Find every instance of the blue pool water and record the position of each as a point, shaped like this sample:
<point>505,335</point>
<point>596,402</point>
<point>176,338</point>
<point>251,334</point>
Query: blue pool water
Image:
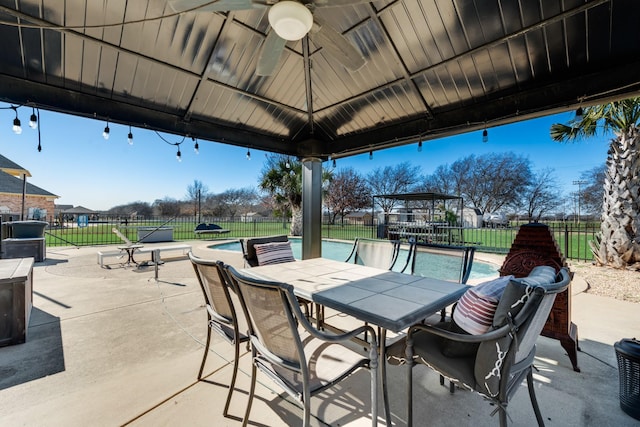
<point>339,251</point>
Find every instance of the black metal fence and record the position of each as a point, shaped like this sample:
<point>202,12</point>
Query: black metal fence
<point>573,239</point>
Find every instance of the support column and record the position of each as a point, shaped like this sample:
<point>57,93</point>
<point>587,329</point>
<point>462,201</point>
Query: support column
<point>311,207</point>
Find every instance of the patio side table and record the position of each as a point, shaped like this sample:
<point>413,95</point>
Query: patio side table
<point>16,299</point>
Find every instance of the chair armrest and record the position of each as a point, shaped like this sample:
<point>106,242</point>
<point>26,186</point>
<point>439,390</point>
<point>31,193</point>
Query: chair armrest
<point>528,310</point>
<point>353,250</point>
<point>330,337</point>
<point>434,330</point>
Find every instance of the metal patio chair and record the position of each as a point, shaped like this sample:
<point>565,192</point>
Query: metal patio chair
<point>222,316</point>
<point>444,262</point>
<point>504,356</point>
<point>301,359</point>
<point>374,253</point>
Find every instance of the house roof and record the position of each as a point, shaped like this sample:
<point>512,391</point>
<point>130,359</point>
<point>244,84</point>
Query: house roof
<point>418,196</point>
<point>358,214</point>
<point>78,210</point>
<point>432,68</point>
<point>12,168</point>
<point>10,184</point>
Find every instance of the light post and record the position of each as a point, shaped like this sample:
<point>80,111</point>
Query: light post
<point>579,183</point>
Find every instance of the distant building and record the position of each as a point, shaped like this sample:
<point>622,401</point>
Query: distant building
<point>471,218</point>
<point>71,213</point>
<point>37,203</point>
<point>250,217</point>
<point>363,218</point>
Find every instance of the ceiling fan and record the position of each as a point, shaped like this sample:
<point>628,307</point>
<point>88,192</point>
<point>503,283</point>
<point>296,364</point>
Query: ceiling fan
<point>290,21</point>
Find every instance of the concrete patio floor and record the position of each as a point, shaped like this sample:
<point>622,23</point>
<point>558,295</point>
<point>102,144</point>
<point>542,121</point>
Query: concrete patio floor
<point>114,346</point>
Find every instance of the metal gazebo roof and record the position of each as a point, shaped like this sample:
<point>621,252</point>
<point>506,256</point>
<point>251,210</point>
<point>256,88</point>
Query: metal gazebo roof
<point>432,68</point>
<point>418,196</point>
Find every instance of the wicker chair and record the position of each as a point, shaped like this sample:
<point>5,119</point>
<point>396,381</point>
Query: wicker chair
<point>301,359</point>
<point>504,356</point>
<point>221,313</point>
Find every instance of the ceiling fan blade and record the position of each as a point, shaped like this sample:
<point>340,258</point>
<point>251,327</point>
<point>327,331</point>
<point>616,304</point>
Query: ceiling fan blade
<point>270,54</point>
<point>215,6</point>
<point>337,45</point>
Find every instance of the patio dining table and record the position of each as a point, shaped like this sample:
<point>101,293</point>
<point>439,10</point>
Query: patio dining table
<point>390,300</point>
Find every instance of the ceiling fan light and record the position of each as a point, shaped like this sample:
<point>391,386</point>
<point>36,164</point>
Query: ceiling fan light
<point>290,20</point>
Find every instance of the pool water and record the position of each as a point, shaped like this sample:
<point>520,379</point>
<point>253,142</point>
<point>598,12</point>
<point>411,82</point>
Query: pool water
<point>340,251</point>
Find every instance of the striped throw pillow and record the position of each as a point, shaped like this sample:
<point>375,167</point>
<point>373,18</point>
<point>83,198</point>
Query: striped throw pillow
<point>475,309</point>
<point>274,253</point>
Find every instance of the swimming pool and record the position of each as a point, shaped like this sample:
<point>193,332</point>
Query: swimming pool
<point>339,251</point>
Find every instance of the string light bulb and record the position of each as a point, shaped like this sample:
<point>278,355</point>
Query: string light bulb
<point>33,120</point>
<point>179,155</point>
<point>17,128</point>
<point>130,136</point>
<point>105,133</point>
<point>370,154</point>
<point>287,165</point>
<point>419,146</point>
<point>579,113</point>
<point>485,136</point>
<point>248,154</point>
<point>334,163</point>
<point>196,147</point>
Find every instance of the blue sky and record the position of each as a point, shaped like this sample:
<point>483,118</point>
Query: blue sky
<point>77,164</point>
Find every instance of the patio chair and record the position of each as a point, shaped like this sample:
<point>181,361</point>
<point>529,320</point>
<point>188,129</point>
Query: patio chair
<point>444,262</point>
<point>221,313</point>
<point>374,253</point>
<point>301,359</point>
<point>249,250</point>
<point>502,357</point>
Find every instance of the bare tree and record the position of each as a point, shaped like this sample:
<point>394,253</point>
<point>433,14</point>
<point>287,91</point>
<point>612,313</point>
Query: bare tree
<point>541,195</point>
<point>167,206</point>
<point>492,181</point>
<point>400,178</point>
<point>591,195</point>
<point>196,192</point>
<point>236,201</point>
<point>442,181</point>
<point>347,192</point>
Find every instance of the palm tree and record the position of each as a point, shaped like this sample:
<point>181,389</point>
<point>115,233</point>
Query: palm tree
<point>618,244</point>
<point>282,178</point>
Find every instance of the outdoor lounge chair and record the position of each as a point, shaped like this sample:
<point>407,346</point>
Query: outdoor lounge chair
<point>301,359</point>
<point>222,316</point>
<point>501,358</point>
<point>209,229</point>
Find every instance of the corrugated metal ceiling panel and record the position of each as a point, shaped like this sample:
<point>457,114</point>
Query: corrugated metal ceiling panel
<point>430,64</point>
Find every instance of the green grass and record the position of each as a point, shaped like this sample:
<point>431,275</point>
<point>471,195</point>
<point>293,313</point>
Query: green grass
<point>485,239</point>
